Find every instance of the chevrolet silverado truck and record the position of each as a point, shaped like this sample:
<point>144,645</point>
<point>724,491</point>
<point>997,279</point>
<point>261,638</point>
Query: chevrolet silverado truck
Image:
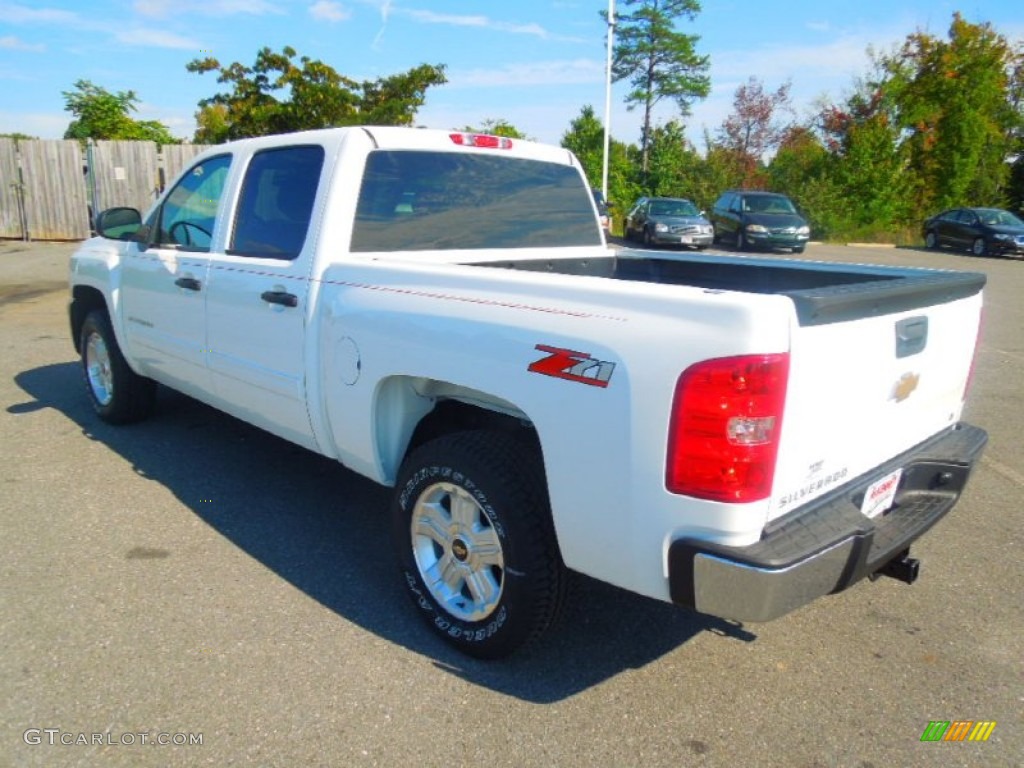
<point>439,312</point>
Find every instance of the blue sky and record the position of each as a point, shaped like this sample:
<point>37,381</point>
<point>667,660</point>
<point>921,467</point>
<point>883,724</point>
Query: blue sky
<point>534,63</point>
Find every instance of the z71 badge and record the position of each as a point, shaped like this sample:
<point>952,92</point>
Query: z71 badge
<point>574,366</point>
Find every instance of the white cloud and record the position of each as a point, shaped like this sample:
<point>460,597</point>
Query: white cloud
<point>155,38</point>
<point>15,13</point>
<point>842,56</point>
<point>41,124</point>
<point>571,72</point>
<point>12,43</point>
<point>385,14</point>
<point>325,10</point>
<point>483,22</point>
<point>164,8</point>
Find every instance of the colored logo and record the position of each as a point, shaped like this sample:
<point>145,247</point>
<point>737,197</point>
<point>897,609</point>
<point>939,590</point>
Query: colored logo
<point>905,386</point>
<point>958,730</point>
<point>573,366</point>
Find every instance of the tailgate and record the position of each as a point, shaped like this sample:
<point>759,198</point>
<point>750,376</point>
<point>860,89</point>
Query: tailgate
<point>870,378</point>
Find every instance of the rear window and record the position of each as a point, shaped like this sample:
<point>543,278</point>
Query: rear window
<point>420,201</point>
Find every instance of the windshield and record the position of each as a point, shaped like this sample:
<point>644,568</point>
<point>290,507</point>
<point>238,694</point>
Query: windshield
<point>673,208</point>
<point>768,204</point>
<point>997,218</point>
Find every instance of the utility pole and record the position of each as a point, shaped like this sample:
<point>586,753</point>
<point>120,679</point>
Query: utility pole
<point>608,98</point>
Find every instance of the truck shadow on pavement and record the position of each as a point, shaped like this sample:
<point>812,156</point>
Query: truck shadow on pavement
<point>324,529</point>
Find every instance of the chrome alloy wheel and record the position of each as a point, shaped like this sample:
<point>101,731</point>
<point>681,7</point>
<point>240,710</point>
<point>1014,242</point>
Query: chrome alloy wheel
<point>457,551</point>
<point>97,369</point>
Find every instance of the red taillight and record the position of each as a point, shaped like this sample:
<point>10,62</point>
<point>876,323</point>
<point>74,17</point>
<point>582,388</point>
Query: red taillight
<point>481,140</point>
<point>726,419</point>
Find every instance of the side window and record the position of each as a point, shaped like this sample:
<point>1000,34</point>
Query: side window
<point>186,218</point>
<point>276,202</point>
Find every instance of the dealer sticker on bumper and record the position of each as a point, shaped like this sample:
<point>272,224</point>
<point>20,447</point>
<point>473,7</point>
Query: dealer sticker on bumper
<point>880,495</point>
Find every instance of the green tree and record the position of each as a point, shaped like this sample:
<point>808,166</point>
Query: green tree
<point>211,124</point>
<point>497,127</point>
<point>954,102</point>
<point>802,168</point>
<point>868,165</point>
<point>277,95</point>
<point>673,163</point>
<point>659,62</point>
<point>100,114</point>
<point>585,139</point>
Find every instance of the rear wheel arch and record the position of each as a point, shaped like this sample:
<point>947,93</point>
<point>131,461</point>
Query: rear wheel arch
<point>410,412</point>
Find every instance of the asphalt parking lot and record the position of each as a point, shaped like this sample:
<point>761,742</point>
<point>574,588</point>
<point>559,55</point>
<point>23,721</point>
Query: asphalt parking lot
<point>194,579</point>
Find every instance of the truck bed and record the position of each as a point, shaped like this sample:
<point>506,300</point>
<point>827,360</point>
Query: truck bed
<point>822,292</point>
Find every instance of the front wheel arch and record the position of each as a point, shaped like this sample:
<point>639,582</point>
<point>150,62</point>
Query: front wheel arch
<point>84,299</point>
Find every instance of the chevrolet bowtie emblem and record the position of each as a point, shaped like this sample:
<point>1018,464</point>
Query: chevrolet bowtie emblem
<point>908,383</point>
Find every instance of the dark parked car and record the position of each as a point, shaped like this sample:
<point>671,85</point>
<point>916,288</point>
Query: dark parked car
<point>982,231</point>
<point>752,219</point>
<point>668,221</point>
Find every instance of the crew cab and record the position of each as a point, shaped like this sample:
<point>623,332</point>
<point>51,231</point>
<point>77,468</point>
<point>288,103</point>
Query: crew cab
<point>439,311</point>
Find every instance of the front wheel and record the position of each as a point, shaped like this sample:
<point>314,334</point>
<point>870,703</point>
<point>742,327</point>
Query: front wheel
<point>118,394</point>
<point>648,242</point>
<point>741,242</point>
<point>978,247</point>
<point>476,544</point>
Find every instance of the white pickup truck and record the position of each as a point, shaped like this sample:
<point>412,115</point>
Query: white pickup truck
<point>440,312</point>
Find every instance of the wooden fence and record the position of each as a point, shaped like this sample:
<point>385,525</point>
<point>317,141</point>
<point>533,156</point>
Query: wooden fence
<point>49,187</point>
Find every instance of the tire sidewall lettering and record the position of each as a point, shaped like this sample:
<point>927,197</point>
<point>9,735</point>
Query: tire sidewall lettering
<point>454,628</point>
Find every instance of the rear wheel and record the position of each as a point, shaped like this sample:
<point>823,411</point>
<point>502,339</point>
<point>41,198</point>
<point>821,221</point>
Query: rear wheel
<point>118,394</point>
<point>475,542</point>
<point>978,247</point>
<point>930,241</point>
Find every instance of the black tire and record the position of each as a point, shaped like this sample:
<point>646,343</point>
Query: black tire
<point>648,242</point>
<point>741,242</point>
<point>505,581</point>
<point>931,242</point>
<point>979,247</point>
<point>117,393</point>
<point>798,248</point>
<point>626,234</point>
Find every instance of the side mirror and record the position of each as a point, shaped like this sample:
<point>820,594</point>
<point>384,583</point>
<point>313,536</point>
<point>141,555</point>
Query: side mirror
<point>119,223</point>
